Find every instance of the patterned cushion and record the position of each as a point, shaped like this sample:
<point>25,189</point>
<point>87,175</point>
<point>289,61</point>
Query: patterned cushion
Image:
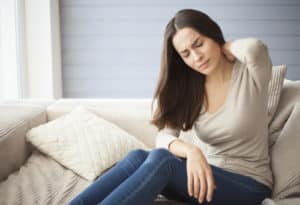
<point>83,142</point>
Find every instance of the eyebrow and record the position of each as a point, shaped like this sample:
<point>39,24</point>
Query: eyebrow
<point>193,44</point>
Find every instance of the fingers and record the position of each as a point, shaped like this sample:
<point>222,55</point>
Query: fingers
<point>210,186</point>
<point>196,186</point>
<point>202,187</point>
<point>227,53</point>
<point>190,184</point>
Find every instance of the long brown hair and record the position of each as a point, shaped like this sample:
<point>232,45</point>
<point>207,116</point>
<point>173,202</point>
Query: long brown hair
<point>180,91</point>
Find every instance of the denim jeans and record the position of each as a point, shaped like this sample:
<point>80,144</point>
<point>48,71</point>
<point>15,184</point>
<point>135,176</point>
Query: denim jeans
<point>142,175</point>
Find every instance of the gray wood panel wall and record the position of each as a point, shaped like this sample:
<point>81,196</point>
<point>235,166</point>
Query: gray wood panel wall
<point>111,48</point>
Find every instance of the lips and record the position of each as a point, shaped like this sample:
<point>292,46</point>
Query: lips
<point>203,64</point>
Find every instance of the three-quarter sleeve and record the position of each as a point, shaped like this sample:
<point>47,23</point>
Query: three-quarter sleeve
<point>254,53</point>
<point>165,137</point>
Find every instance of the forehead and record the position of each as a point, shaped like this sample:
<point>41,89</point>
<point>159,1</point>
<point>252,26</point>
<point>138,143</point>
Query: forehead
<point>184,38</point>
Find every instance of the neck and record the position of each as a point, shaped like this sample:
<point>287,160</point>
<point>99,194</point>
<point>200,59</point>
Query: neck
<point>221,75</point>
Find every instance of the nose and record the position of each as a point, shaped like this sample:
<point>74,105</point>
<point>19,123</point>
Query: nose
<point>196,55</point>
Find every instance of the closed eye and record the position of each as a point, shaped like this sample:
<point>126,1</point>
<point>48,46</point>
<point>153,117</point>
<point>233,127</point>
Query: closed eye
<point>199,44</point>
<point>185,56</point>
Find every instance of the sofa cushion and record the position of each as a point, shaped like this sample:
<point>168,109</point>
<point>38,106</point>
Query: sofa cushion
<point>285,155</point>
<point>40,181</point>
<point>83,142</point>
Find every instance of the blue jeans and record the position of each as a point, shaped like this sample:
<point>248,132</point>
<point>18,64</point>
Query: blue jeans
<point>142,175</point>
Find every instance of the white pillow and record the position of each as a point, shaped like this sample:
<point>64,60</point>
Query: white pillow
<point>274,89</point>
<point>83,142</point>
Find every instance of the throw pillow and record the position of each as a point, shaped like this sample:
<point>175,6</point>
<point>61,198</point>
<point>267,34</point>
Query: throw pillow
<point>83,142</point>
<point>274,89</point>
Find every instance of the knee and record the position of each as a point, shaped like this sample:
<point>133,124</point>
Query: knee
<point>160,154</point>
<point>137,155</point>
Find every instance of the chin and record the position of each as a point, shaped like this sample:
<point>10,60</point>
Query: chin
<point>205,71</point>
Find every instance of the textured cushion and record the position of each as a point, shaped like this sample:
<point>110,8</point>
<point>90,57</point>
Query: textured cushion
<point>285,156</point>
<point>274,89</point>
<point>83,142</point>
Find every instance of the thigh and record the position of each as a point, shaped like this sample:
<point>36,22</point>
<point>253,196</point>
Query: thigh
<point>236,189</point>
<point>112,178</point>
<point>231,189</point>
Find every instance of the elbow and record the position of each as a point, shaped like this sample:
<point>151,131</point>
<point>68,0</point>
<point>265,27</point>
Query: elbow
<point>257,49</point>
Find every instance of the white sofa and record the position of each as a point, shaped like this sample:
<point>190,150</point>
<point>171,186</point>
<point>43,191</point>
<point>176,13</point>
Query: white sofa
<point>28,176</point>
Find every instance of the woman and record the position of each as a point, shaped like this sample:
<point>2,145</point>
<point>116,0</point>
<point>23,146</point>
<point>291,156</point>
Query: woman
<point>218,88</point>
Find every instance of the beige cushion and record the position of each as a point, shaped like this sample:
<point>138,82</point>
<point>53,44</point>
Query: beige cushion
<point>274,89</point>
<point>83,142</point>
<point>285,155</point>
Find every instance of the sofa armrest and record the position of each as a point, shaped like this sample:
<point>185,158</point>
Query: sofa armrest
<point>15,121</point>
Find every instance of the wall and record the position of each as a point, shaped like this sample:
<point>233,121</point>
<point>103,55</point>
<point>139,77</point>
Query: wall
<point>111,49</point>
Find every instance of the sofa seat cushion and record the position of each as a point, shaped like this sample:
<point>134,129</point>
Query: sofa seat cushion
<point>40,181</point>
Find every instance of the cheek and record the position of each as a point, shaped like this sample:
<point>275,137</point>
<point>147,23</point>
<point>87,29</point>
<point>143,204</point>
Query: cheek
<point>188,62</point>
<point>215,53</point>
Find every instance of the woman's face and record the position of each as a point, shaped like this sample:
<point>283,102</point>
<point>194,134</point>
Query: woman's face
<point>198,51</point>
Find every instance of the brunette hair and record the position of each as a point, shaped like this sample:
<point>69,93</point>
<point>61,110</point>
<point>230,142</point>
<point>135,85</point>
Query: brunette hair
<point>180,92</point>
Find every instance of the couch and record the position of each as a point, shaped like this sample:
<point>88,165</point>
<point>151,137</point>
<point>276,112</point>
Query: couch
<point>27,176</point>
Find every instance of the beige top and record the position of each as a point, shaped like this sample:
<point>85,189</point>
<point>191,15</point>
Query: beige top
<point>237,134</point>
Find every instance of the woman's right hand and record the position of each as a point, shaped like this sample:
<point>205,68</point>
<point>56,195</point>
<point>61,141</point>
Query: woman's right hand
<point>226,50</point>
<point>200,176</point>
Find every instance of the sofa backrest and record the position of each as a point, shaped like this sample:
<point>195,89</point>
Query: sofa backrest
<point>132,115</point>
